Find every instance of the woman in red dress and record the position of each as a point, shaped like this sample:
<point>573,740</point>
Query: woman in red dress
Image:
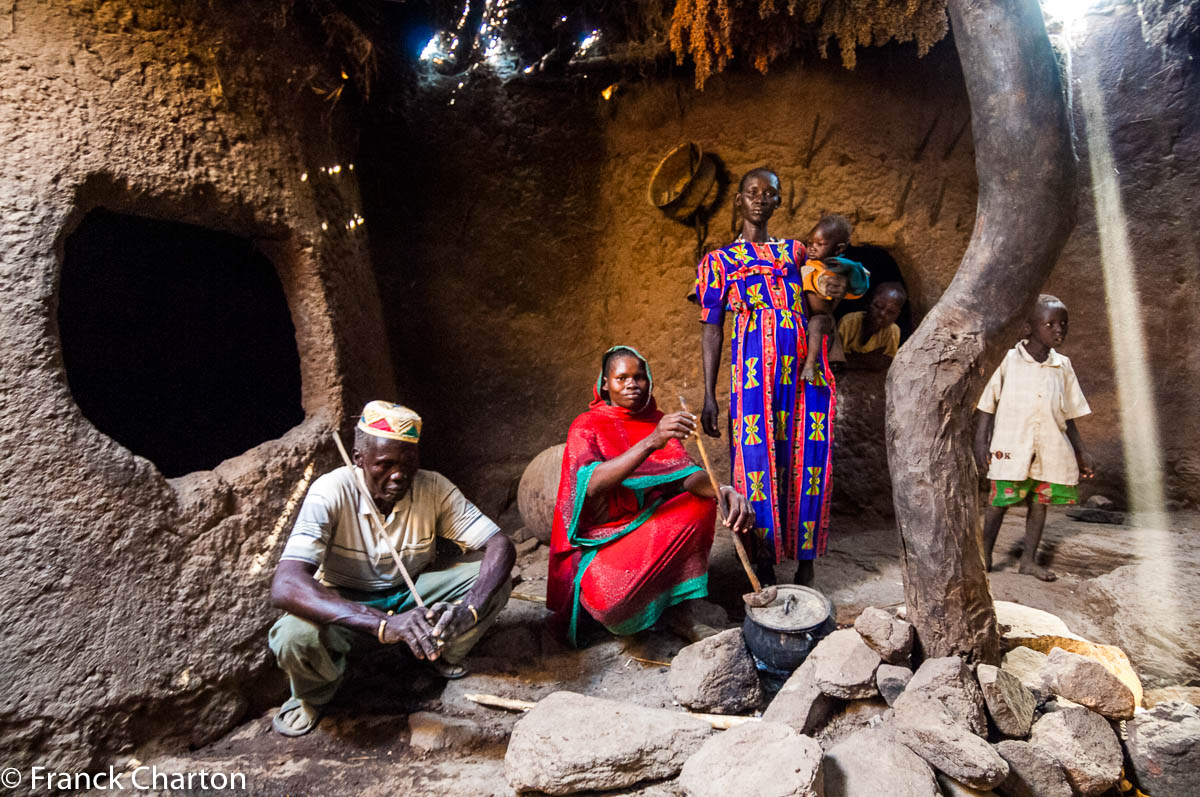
<point>634,519</point>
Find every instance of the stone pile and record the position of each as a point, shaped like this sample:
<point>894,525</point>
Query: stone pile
<point>1164,749</point>
<point>716,675</point>
<point>857,719</point>
<point>570,743</point>
<point>760,758</point>
<point>888,636</point>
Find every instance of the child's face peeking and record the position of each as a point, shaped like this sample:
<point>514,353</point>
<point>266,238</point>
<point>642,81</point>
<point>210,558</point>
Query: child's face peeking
<point>1048,325</point>
<point>822,245</point>
<point>885,308</point>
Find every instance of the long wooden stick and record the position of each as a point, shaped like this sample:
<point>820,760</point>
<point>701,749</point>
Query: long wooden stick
<point>737,543</point>
<point>521,596</point>
<point>380,529</point>
<point>495,701</point>
<point>720,722</point>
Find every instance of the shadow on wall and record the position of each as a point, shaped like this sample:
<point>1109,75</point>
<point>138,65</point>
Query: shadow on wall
<point>484,265</point>
<point>177,340</point>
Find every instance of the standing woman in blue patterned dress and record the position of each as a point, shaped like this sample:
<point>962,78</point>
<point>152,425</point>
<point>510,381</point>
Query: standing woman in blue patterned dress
<point>781,429</point>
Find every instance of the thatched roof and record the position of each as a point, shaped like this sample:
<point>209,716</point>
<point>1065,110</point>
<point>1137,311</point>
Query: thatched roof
<point>545,35</point>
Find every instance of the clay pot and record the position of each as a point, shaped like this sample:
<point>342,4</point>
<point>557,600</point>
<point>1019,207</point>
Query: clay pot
<point>538,490</point>
<point>781,637</point>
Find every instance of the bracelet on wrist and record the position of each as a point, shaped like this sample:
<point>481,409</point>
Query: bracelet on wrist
<point>383,625</point>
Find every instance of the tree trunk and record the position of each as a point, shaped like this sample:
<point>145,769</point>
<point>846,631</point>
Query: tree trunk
<point>1026,168</point>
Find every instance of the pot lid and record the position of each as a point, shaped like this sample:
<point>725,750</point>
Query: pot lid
<point>795,608</point>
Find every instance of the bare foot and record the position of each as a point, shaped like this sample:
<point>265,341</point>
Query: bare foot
<point>1037,571</point>
<point>682,623</point>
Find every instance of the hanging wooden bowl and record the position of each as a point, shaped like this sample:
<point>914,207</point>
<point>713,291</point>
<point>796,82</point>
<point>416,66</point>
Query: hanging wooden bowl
<point>673,175</point>
<point>697,191</point>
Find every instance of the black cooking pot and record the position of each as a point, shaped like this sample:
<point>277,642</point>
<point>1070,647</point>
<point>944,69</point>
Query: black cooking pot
<point>782,634</point>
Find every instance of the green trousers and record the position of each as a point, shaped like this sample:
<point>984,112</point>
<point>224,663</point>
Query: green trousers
<point>315,656</point>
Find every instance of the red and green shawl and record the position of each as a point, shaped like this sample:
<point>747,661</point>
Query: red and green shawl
<point>627,556</point>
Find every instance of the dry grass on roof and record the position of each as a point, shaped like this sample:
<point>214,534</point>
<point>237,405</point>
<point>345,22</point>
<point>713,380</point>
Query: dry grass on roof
<point>714,32</point>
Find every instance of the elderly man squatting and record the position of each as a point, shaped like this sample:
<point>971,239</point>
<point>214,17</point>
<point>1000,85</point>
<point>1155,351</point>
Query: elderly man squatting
<point>343,592</point>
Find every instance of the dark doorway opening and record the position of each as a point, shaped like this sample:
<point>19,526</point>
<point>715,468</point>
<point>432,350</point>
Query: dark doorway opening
<point>177,340</point>
<point>883,268</point>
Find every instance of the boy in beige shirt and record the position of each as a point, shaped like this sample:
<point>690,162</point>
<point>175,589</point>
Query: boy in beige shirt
<point>1025,433</point>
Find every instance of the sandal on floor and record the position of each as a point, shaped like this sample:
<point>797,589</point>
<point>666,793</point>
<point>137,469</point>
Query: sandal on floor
<point>287,730</point>
<point>445,669</point>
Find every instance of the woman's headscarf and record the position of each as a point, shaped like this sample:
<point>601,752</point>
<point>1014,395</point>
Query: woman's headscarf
<point>602,394</point>
<point>602,433</point>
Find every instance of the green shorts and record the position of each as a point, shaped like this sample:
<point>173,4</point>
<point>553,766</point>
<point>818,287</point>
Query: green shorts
<point>1006,493</point>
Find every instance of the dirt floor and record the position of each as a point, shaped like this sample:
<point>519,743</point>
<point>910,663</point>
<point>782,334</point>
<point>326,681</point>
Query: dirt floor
<point>1125,585</point>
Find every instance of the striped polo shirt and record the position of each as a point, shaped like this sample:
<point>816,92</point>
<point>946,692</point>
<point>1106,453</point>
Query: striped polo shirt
<point>333,530</point>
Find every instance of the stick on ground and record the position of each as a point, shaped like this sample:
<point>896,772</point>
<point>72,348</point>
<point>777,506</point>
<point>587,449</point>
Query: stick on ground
<point>720,722</point>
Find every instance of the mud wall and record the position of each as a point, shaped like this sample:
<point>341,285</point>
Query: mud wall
<point>516,245</point>
<point>887,145</point>
<point>486,234</point>
<point>135,608</point>
<point>1142,61</point>
<point>556,254</point>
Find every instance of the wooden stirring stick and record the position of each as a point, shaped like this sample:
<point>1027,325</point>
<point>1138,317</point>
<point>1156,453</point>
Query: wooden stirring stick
<point>737,543</point>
